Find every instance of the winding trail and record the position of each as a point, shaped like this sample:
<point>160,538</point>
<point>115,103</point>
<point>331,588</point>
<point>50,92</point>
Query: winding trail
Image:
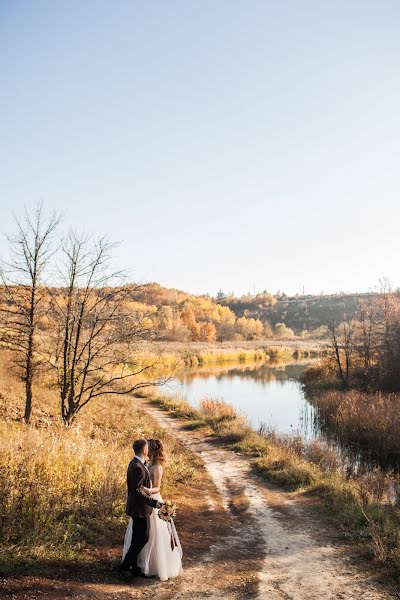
<point>274,548</point>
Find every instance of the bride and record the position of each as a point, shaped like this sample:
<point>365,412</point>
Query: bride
<point>162,555</point>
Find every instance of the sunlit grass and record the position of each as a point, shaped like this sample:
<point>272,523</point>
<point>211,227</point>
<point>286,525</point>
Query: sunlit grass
<point>63,489</point>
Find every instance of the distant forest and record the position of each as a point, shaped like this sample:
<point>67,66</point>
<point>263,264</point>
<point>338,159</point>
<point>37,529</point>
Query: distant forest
<point>300,313</point>
<point>181,316</point>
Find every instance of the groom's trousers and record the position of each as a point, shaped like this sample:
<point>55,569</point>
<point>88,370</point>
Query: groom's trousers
<point>140,536</point>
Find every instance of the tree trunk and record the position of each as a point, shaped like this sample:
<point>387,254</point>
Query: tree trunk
<point>28,400</point>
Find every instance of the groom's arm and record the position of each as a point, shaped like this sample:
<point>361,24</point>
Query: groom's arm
<point>139,481</point>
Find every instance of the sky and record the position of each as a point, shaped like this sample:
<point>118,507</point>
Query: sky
<point>234,145</point>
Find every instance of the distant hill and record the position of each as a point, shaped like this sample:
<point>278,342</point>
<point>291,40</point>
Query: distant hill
<point>183,316</point>
<point>176,315</point>
<point>300,313</point>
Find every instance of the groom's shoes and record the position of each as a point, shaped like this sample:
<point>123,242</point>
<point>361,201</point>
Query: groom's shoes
<point>138,573</point>
<point>132,574</point>
<point>127,575</point>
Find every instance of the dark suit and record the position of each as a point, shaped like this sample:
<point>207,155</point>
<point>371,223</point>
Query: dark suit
<point>139,506</point>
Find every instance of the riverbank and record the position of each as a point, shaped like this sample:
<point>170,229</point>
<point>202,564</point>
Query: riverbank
<point>62,512</point>
<point>367,422</point>
<point>361,504</point>
<point>242,540</point>
<point>281,535</point>
<point>180,355</point>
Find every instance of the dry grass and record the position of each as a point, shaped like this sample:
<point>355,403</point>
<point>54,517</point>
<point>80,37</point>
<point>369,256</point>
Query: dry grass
<point>53,485</point>
<point>369,422</point>
<point>63,490</point>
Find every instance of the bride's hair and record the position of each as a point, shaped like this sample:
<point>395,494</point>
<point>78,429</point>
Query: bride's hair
<point>156,451</point>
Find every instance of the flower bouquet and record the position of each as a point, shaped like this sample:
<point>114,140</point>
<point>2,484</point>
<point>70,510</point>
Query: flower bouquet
<point>168,511</point>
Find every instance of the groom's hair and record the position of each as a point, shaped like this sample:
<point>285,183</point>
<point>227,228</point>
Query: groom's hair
<point>138,445</point>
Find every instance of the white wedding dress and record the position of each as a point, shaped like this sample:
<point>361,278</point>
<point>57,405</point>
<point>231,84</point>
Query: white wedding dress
<point>157,558</point>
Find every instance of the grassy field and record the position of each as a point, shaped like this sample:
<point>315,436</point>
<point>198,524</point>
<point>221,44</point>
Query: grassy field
<point>362,505</point>
<point>63,490</point>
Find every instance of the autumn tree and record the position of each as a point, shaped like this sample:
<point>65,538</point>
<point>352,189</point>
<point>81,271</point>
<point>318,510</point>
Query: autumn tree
<point>95,331</point>
<point>282,330</point>
<point>268,331</point>
<point>188,317</point>
<point>23,297</point>
<point>208,332</point>
<point>365,338</point>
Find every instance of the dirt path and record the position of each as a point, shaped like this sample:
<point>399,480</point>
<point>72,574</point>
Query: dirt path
<point>255,543</point>
<point>282,552</point>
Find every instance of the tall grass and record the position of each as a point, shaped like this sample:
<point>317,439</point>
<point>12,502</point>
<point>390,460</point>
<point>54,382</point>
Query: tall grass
<point>63,490</point>
<point>370,423</point>
<point>54,483</point>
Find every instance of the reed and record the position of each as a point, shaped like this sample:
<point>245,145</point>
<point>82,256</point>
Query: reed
<point>370,423</point>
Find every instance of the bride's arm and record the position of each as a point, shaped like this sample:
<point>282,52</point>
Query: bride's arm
<point>156,476</point>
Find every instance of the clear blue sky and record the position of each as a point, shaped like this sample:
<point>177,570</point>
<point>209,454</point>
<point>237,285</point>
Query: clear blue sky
<point>224,143</point>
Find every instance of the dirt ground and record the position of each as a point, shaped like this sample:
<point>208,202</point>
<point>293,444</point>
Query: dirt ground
<point>252,542</point>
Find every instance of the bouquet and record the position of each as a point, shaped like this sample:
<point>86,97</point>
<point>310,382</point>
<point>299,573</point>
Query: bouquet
<point>168,511</point>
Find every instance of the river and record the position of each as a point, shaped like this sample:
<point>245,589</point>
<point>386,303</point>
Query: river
<point>266,394</point>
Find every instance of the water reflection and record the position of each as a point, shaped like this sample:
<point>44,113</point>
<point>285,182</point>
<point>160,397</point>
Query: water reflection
<point>273,397</point>
<point>264,374</point>
<point>269,394</point>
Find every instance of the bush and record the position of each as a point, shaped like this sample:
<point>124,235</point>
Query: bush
<point>281,330</point>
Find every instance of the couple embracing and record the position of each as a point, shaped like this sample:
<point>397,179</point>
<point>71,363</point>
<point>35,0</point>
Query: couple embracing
<point>151,546</point>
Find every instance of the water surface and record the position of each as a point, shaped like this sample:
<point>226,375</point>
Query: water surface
<point>272,395</point>
<point>266,394</point>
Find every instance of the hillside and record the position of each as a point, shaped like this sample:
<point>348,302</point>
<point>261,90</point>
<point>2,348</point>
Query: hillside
<point>177,316</point>
<point>300,313</point>
<point>181,316</point>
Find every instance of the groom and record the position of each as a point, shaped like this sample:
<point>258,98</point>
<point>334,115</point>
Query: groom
<point>139,506</point>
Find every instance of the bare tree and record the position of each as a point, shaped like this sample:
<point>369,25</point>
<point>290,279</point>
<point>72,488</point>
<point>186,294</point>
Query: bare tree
<point>365,338</point>
<point>95,330</point>
<point>342,346</point>
<point>348,346</point>
<point>387,309</point>
<point>23,293</point>
<point>335,347</point>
